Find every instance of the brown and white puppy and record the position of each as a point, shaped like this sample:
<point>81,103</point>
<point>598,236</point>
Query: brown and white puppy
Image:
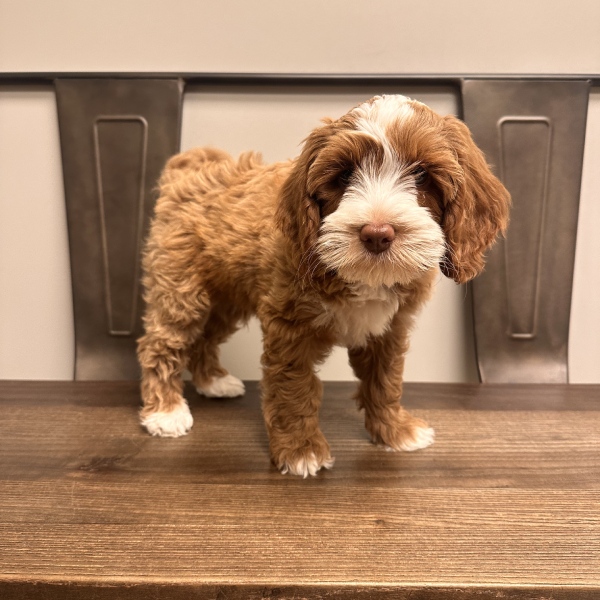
<point>338,247</point>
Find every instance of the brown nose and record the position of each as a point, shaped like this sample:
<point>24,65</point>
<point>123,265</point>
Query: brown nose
<point>377,238</point>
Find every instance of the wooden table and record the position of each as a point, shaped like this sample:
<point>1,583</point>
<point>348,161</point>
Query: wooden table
<point>505,504</point>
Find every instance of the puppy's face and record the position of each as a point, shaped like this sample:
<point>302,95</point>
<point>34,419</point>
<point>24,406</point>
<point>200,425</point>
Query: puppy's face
<point>391,190</point>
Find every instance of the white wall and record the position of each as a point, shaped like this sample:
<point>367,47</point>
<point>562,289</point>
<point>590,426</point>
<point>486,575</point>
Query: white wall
<point>437,36</point>
<point>584,343</point>
<point>36,332</point>
<point>36,315</point>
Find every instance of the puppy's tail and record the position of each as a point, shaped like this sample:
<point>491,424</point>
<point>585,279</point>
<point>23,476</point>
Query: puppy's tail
<point>206,169</point>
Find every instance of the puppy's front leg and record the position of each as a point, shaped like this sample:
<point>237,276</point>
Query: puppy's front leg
<point>379,366</point>
<point>291,398</point>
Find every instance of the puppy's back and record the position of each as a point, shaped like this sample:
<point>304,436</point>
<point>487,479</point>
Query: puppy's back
<point>209,168</point>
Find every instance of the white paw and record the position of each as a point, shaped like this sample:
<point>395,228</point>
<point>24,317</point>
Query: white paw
<point>174,423</point>
<point>307,466</point>
<point>222,387</point>
<point>423,437</point>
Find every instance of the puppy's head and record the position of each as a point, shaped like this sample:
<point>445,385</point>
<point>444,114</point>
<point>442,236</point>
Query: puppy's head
<point>390,190</point>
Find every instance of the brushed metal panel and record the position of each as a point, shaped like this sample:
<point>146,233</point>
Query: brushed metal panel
<point>116,135</point>
<point>524,166</point>
<point>120,148</point>
<point>534,133</point>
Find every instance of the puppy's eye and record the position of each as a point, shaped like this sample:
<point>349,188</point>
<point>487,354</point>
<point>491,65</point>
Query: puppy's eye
<point>421,175</point>
<point>345,176</point>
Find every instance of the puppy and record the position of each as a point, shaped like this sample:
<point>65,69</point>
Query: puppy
<point>338,247</point>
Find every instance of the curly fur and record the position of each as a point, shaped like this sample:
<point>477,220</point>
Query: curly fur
<point>231,239</point>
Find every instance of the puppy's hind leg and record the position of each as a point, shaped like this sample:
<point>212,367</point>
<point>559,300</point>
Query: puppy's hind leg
<point>209,377</point>
<point>162,354</point>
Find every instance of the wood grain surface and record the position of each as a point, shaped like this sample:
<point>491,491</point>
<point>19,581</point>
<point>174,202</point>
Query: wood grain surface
<point>505,504</point>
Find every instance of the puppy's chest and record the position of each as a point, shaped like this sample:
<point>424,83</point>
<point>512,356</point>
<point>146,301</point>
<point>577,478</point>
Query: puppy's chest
<point>368,312</point>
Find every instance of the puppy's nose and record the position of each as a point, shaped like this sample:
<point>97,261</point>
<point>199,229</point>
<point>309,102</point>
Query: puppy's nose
<point>377,238</point>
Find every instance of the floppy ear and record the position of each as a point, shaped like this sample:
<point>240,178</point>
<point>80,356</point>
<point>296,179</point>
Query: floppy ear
<point>298,212</point>
<point>478,210</point>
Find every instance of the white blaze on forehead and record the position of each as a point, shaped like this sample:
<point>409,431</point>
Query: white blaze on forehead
<point>375,117</point>
<point>382,110</point>
<point>377,190</point>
